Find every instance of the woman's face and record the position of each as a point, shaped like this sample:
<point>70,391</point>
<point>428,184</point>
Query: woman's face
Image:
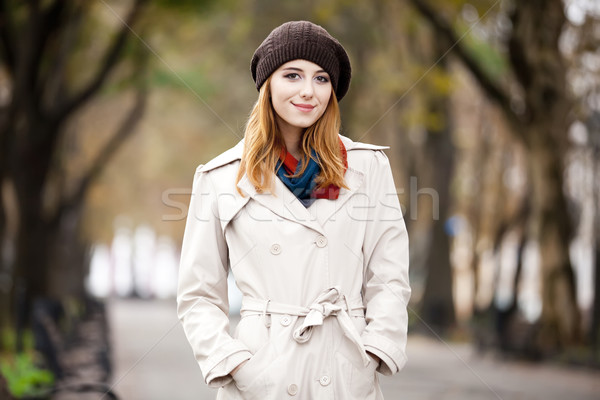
<point>300,92</point>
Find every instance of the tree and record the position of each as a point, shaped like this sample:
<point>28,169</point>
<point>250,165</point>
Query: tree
<point>541,125</point>
<point>37,40</point>
<point>437,305</point>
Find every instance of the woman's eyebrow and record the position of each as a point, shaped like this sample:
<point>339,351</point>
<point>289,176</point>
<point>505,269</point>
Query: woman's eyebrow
<point>301,70</point>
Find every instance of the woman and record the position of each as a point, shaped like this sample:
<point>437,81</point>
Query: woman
<point>310,224</point>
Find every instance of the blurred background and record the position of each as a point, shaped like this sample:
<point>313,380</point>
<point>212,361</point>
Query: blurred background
<point>492,112</point>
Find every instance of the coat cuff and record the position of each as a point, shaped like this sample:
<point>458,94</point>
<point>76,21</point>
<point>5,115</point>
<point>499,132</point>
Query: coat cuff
<point>393,358</point>
<point>219,369</point>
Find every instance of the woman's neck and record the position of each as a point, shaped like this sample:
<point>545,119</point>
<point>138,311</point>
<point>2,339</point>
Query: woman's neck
<point>292,137</point>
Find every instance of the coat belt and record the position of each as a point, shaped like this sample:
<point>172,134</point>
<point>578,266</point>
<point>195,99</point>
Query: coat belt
<point>327,304</point>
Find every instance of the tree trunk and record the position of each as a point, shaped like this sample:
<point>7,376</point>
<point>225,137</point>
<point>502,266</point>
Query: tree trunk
<point>538,65</point>
<point>4,268</point>
<point>595,326</point>
<point>30,274</point>
<point>29,164</point>
<point>35,52</point>
<point>437,306</point>
<point>594,129</point>
<point>511,335</point>
<point>68,257</point>
<point>549,223</point>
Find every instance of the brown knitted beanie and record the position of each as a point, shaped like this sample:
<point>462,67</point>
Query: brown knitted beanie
<point>302,40</point>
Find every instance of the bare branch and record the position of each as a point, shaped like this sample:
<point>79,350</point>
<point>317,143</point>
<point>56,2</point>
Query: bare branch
<point>124,131</point>
<point>110,60</point>
<point>495,92</point>
<point>7,36</point>
<point>55,80</point>
<point>103,158</point>
<point>24,78</point>
<point>38,29</point>
<point>52,20</point>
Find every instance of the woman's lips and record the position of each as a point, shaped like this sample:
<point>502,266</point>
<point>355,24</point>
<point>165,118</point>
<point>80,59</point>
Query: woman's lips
<point>304,107</point>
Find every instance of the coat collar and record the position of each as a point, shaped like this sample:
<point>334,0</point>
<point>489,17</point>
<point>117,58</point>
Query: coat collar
<point>283,202</point>
<point>235,153</point>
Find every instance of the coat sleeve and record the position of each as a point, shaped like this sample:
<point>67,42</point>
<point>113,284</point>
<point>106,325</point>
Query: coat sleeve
<point>386,289</point>
<point>202,303</point>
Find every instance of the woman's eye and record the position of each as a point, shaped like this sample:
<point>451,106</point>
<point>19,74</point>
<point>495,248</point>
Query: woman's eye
<point>293,75</point>
<point>322,79</point>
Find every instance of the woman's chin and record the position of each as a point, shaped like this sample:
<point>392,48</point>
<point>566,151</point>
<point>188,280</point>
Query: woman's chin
<point>302,123</point>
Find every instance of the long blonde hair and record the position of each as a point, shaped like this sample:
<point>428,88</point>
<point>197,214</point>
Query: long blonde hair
<point>263,144</point>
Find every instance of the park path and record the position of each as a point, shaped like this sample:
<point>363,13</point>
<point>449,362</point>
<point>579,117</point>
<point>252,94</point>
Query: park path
<point>153,361</point>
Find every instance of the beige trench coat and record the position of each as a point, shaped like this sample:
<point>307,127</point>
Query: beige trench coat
<point>321,285</point>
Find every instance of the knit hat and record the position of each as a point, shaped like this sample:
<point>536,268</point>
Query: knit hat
<point>302,40</point>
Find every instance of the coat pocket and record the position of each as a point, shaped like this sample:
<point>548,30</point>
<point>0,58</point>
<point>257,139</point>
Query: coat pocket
<point>359,380</point>
<point>254,378</point>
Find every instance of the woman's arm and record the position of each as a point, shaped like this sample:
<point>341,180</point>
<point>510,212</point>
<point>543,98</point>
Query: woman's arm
<point>233,371</point>
<point>374,357</point>
<point>386,287</point>
<point>202,304</point>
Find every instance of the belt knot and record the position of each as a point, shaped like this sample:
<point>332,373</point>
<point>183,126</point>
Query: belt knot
<point>323,307</point>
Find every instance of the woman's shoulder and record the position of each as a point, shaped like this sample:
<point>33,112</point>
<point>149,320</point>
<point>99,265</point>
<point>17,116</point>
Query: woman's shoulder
<point>226,158</point>
<point>218,174</point>
<point>352,145</point>
<point>362,156</point>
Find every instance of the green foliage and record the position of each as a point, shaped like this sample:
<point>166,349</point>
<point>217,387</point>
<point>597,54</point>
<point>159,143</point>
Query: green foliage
<point>8,339</point>
<point>488,57</point>
<point>24,378</point>
<point>183,80</point>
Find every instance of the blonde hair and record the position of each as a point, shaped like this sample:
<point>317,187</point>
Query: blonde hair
<point>263,144</point>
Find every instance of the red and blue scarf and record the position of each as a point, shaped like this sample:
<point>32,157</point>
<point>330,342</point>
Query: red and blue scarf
<point>304,186</point>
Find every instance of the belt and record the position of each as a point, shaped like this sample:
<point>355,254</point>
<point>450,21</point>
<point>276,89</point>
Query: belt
<point>325,305</point>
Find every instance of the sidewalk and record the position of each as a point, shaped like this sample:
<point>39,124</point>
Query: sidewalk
<point>455,372</point>
<point>153,361</point>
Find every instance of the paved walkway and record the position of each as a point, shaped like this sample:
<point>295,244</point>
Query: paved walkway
<point>153,361</point>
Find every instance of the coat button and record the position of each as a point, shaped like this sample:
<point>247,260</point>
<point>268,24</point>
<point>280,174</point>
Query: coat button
<point>275,249</point>
<point>321,241</point>
<point>285,320</point>
<point>324,381</point>
<point>292,389</point>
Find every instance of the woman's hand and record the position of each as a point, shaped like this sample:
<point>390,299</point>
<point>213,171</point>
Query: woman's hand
<point>233,371</point>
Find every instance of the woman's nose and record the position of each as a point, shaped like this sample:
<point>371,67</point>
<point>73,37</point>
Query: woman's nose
<point>307,89</point>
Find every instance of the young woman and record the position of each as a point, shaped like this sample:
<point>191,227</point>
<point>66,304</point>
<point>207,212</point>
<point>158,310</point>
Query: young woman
<point>310,225</point>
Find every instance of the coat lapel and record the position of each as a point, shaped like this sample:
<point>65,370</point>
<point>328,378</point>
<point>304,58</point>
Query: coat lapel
<point>282,202</point>
<point>353,178</point>
<point>326,209</point>
<point>285,204</point>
